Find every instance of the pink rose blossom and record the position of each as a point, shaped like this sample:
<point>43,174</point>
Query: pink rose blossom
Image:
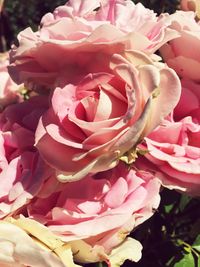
<point>75,33</point>
<point>182,53</point>
<point>191,5</point>
<point>8,89</point>
<point>174,146</point>
<point>22,169</point>
<point>188,5</point>
<point>99,211</point>
<point>94,122</point>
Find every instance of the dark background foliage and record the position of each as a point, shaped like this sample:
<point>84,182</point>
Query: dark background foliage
<point>171,238</point>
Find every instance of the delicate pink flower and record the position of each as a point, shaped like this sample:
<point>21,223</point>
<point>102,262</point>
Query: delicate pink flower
<point>75,33</point>
<point>22,170</point>
<point>99,211</point>
<point>191,5</point>
<point>174,146</point>
<point>182,53</point>
<point>188,5</point>
<point>8,89</point>
<point>93,123</point>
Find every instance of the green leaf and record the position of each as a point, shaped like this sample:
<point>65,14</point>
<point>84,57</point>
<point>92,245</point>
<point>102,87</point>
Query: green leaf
<point>198,262</point>
<point>168,208</point>
<point>184,201</point>
<point>197,241</point>
<point>187,261</point>
<point>196,244</point>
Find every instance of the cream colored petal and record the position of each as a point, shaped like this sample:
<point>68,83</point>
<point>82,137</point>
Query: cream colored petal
<point>19,249</point>
<point>47,239</point>
<point>85,253</point>
<point>102,163</point>
<point>130,249</point>
<point>138,58</point>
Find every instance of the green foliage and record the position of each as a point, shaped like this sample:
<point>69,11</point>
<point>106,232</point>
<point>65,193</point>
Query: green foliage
<point>171,238</point>
<point>196,244</point>
<point>186,261</point>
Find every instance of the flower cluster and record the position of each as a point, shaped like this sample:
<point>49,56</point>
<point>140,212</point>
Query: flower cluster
<point>92,124</point>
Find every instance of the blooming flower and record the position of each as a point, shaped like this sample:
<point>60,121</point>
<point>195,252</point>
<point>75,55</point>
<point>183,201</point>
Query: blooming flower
<point>75,33</point>
<point>94,121</point>
<point>191,5</point>
<point>22,169</point>
<point>97,219</point>
<point>174,147</point>
<point>186,62</point>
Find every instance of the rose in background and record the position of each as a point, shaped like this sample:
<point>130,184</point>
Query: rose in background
<point>75,33</point>
<point>9,91</point>
<point>22,169</point>
<point>93,123</point>
<point>97,213</point>
<point>191,5</point>
<point>75,49</point>
<point>1,5</point>
<point>182,53</point>
<point>174,146</point>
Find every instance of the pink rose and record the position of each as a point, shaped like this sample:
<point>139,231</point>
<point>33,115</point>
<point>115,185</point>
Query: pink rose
<point>75,33</point>
<point>182,53</point>
<point>188,5</point>
<point>191,5</point>
<point>8,89</point>
<point>92,123</point>
<point>22,170</point>
<point>174,146</point>
<point>99,211</point>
